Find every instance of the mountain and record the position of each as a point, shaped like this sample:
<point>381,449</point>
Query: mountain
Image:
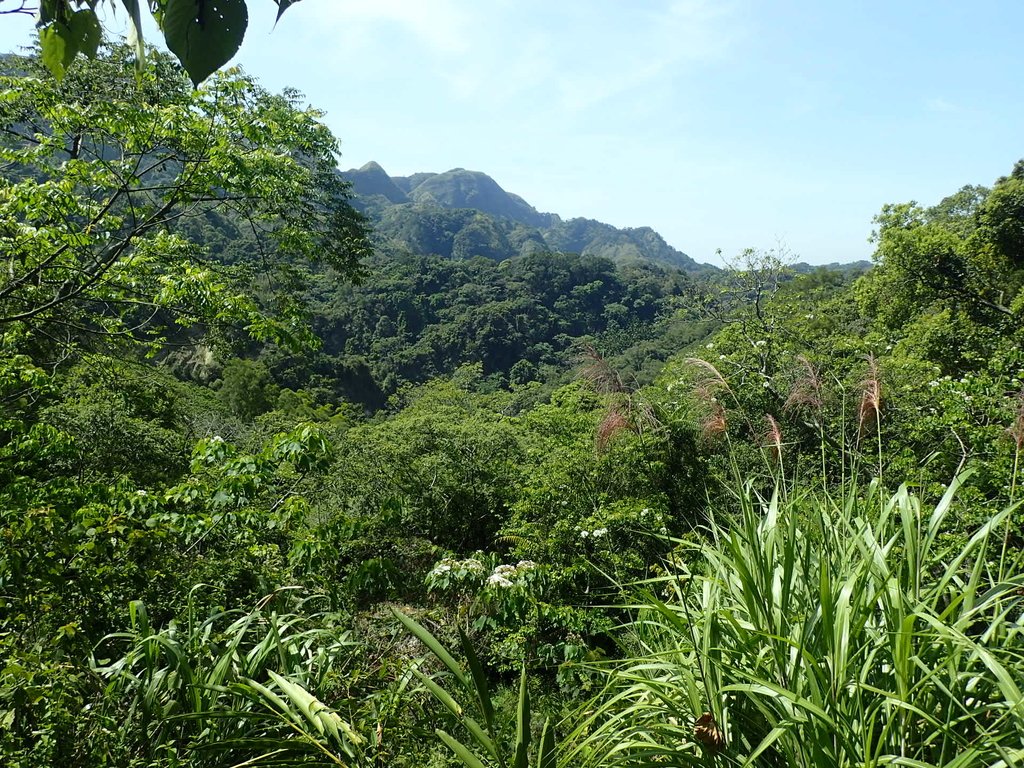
<point>848,268</point>
<point>460,188</point>
<point>462,213</point>
<point>372,181</point>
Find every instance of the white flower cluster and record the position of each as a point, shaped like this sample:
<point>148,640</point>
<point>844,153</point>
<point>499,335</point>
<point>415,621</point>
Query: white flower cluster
<point>597,533</point>
<point>506,576</point>
<point>469,566</point>
<point>651,518</point>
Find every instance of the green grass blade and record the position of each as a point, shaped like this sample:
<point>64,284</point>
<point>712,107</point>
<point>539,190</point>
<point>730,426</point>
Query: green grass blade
<point>461,750</point>
<point>439,693</point>
<point>479,681</point>
<point>546,756</point>
<point>522,723</point>
<point>434,645</point>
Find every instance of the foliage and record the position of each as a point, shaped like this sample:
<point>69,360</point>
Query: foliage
<point>77,553</point>
<point>821,631</point>
<point>473,684</point>
<point>203,34</point>
<point>216,685</point>
<point>247,388</point>
<point>418,317</point>
<point>963,254</point>
<point>162,505</point>
<point>98,188</point>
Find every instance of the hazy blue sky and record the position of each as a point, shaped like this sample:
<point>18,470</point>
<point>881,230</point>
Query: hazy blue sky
<point>720,123</point>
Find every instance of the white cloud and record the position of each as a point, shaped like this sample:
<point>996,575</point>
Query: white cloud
<point>442,26</point>
<point>645,47</point>
<point>568,56</point>
<point>940,105</point>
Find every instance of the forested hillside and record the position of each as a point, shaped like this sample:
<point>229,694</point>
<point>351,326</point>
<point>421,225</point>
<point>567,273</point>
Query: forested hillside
<point>459,483</point>
<point>462,213</point>
<point>524,320</point>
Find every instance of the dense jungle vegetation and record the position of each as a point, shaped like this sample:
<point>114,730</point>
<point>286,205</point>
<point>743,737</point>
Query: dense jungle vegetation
<point>277,490</point>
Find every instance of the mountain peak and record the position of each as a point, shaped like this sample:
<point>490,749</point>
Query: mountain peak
<point>459,188</point>
<point>372,180</point>
<point>461,213</point>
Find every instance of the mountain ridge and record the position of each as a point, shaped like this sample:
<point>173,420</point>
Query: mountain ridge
<point>461,213</point>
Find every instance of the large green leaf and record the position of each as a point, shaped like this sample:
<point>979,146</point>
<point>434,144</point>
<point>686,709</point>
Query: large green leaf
<point>435,646</point>
<point>64,33</point>
<point>86,32</point>
<point>479,680</point>
<point>204,34</point>
<point>50,11</point>
<point>55,48</point>
<point>546,751</point>
<point>461,750</point>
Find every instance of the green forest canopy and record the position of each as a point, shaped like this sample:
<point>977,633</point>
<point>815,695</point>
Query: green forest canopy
<point>750,516</point>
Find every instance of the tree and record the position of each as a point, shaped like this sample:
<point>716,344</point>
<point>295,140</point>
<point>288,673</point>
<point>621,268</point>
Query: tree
<point>966,254</point>
<point>247,388</point>
<point>203,34</point>
<point>106,172</point>
<point>744,298</point>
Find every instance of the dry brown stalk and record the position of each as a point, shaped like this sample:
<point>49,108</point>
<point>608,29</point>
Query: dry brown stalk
<point>871,396</point>
<point>1016,430</point>
<point>642,416</point>
<point>714,424</point>
<point>613,424</point>
<point>807,391</point>
<point>711,382</point>
<point>773,437</point>
<point>625,410</point>
<point>708,384</point>
<point>597,372</point>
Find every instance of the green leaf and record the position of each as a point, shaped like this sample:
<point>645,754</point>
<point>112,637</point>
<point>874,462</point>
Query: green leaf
<point>439,693</point>
<point>461,750</point>
<point>86,31</point>
<point>135,38</point>
<point>434,645</point>
<point>49,10</point>
<point>204,34</point>
<point>56,47</point>
<point>479,680</point>
<point>481,736</point>
<point>546,751</point>
<point>522,723</point>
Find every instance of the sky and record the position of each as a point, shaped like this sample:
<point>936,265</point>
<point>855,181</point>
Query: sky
<point>722,124</point>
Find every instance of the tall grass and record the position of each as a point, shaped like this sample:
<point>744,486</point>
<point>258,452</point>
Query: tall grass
<point>233,687</point>
<point>821,631</point>
<point>477,712</point>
